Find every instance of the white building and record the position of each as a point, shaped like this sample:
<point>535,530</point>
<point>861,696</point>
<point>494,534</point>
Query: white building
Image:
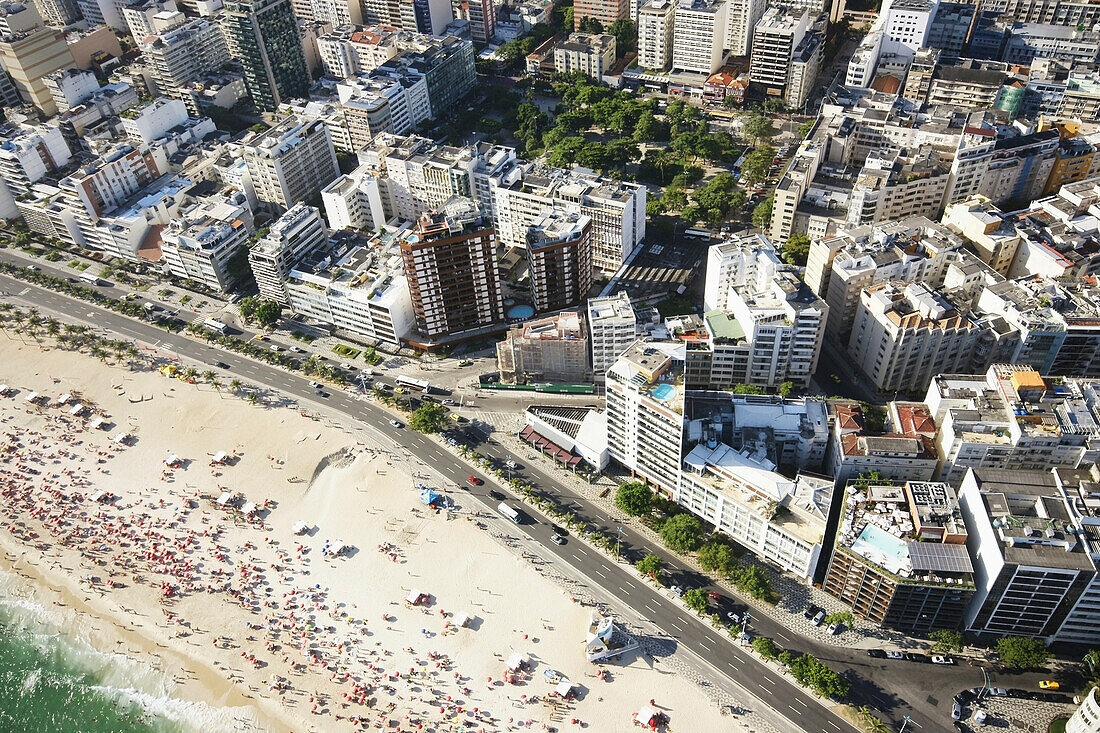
<point>591,54</point>
<point>699,36</point>
<point>1087,717</point>
<point>740,259</point>
<point>175,57</point>
<point>645,421</point>
<point>207,236</point>
<point>28,153</point>
<point>355,285</point>
<point>293,236</point>
<point>612,328</point>
<point>354,201</point>
<point>70,87</point>
<point>291,162</point>
<point>776,37</point>
<point>655,34</point>
<point>741,18</point>
<point>147,122</point>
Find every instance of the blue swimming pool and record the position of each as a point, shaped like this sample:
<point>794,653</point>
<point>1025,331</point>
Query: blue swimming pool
<point>883,547</point>
<point>521,311</point>
<point>664,392</point>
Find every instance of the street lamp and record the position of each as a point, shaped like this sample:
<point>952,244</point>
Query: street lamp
<point>904,722</point>
<point>618,541</point>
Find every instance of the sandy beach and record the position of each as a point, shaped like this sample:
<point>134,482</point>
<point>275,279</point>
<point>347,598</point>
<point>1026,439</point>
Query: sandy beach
<point>268,628</point>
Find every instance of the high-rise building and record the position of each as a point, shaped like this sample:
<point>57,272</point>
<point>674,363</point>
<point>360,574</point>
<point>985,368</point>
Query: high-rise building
<point>699,36</point>
<point>612,328</point>
<point>1087,717</point>
<point>783,47</point>
<point>30,51</point>
<point>552,349</point>
<point>292,237</point>
<point>207,236</point>
<point>451,266</point>
<point>183,54</point>
<point>483,20</point>
<point>265,34</point>
<point>429,17</point>
<point>291,162</point>
<point>70,87</point>
<point>589,53</point>
<point>741,18</point>
<point>59,13</point>
<point>559,257</point>
<point>139,16</point>
<point>102,186</point>
<point>605,11</point>
<point>655,34</point>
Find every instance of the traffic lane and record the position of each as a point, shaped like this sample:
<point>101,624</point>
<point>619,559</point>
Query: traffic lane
<point>664,613</point>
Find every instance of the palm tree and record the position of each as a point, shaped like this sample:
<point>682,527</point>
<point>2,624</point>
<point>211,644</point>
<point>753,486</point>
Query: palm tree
<point>235,385</point>
<point>209,375</point>
<point>97,351</point>
<point>216,385</point>
<point>253,398</point>
<point>53,326</point>
<point>190,373</point>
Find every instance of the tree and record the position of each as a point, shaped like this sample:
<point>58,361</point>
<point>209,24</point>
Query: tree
<point>682,533</point>
<point>785,658</point>
<point>247,307</point>
<point>716,557</point>
<point>756,126</point>
<point>626,36</point>
<point>765,647</point>
<point>753,580</point>
<point>696,600</point>
<point>1018,652</point>
<point>648,128</point>
<point>796,250</point>
<point>649,565</point>
<point>756,165</point>
<point>804,129</point>
<point>762,214</point>
<point>947,640</point>
<point>869,478</point>
<point>747,389</point>
<point>812,673</point>
<point>841,618</point>
<point>786,389</point>
<point>590,25</point>
<point>268,313</point>
<point>430,417</point>
<point>634,498</point>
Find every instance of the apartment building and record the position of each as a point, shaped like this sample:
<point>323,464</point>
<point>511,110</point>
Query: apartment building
<point>617,209</point>
<point>29,52</point>
<point>699,36</point>
<point>346,51</point>
<point>612,328</point>
<point>901,559</point>
<point>741,18</point>
<point>291,238</point>
<point>451,267</point>
<point>264,35</point>
<point>589,53</point>
<point>1034,559</point>
<point>605,11</point>
<point>656,20</point>
<point>1010,418</point>
<point>290,162</point>
<point>645,421</point>
<point>184,54</point>
<point>782,45</point>
<point>552,349</point>
<point>559,259</point>
<point>29,153</point>
<point>209,234</point>
<point>355,284</point>
<point>904,452</point>
<point>70,87</point>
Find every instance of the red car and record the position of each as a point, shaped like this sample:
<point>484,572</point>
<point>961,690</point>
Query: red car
<point>475,481</point>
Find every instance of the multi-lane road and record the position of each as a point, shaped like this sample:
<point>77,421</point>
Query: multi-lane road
<point>898,688</point>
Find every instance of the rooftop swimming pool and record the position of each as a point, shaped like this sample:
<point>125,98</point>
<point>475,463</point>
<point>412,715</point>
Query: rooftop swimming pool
<point>883,548</point>
<point>663,392</point>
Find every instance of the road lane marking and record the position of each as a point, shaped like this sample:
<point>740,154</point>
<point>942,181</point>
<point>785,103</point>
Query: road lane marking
<point>651,608</point>
<point>630,584</point>
<point>705,646</point>
<point>799,702</point>
<point>600,573</point>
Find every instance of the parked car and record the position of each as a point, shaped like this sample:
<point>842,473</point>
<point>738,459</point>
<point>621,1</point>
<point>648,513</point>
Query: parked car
<point>998,692</point>
<point>876,653</point>
<point>939,659</point>
<point>980,716</point>
<point>811,611</point>
<point>956,711</point>
<point>895,655</point>
<point>818,618</point>
<point>833,629</point>
<point>734,618</point>
<point>395,423</point>
<point>677,590</point>
<point>1049,685</point>
<point>914,657</point>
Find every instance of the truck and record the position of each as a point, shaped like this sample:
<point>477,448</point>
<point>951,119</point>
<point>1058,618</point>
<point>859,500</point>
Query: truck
<point>508,511</point>
<point>215,325</point>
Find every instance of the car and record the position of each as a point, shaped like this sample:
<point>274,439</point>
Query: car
<point>315,385</point>
<point>895,655</point>
<point>956,711</point>
<point>746,637</point>
<point>449,403</point>
<point>474,481</point>
<point>221,365</point>
<point>496,495</point>
<point>1049,685</point>
<point>965,697</point>
<point>395,423</point>
<point>346,366</point>
<point>980,716</point>
<point>940,659</point>
<point>297,349</point>
<point>811,611</point>
<point>33,268</point>
<point>876,653</point>
<point>818,618</point>
<point>714,596</point>
<point>734,618</point>
<point>260,337</point>
<point>557,539</point>
<point>677,590</point>
<point>1000,692</point>
<point>914,657</point>
<point>832,629</point>
<point>275,348</point>
<point>510,464</point>
<point>1017,693</point>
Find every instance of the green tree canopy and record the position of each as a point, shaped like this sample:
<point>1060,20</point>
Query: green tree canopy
<point>762,214</point>
<point>796,250</point>
<point>756,164</point>
<point>682,533</point>
<point>430,417</point>
<point>765,647</point>
<point>753,580</point>
<point>634,498</point>
<point>844,618</point>
<point>696,600</point>
<point>717,557</point>
<point>626,36</point>
<point>947,641</point>
<point>756,127</point>
<point>812,673</point>
<point>649,565</point>
<point>747,389</point>
<point>268,313</point>
<point>786,389</point>
<point>247,308</point>
<point>1018,652</point>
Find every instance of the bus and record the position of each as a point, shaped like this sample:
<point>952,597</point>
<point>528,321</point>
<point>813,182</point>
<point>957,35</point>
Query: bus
<point>215,325</point>
<point>89,278</point>
<point>409,383</point>
<point>508,512</point>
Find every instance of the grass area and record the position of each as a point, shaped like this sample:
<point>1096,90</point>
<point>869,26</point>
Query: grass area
<point>674,305</point>
<point>1058,725</point>
<point>303,337</point>
<point>185,300</point>
<point>346,351</point>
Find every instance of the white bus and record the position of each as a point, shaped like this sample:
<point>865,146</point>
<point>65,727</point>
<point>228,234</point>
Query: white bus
<point>215,325</point>
<point>419,385</point>
<point>508,512</point>
<point>89,278</point>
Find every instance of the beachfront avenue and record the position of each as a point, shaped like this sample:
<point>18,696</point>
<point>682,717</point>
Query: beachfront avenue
<point>796,707</point>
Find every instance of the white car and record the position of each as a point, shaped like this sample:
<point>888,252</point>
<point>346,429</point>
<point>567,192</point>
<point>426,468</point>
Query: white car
<point>895,655</point>
<point>395,423</point>
<point>677,590</point>
<point>833,628</point>
<point>979,716</point>
<point>939,659</point>
<point>275,348</point>
<point>956,711</point>
<point>449,403</point>
<point>315,385</point>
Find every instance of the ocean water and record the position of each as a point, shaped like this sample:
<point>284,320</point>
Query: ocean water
<point>53,681</point>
